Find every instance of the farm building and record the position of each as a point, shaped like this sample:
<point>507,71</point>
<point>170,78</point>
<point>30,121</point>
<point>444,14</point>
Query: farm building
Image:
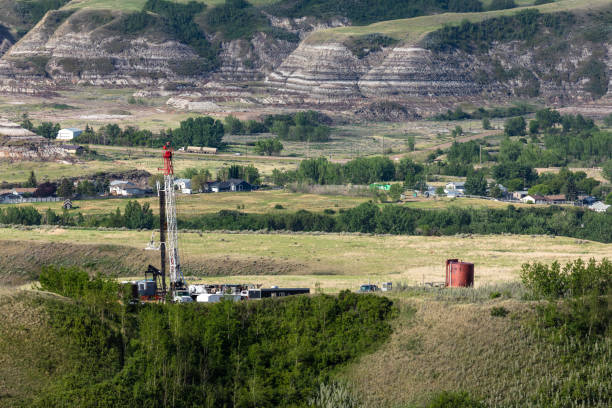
<point>455,186</point>
<point>68,133</point>
<point>599,207</point>
<point>184,185</point>
<point>125,189</point>
<point>229,185</point>
<point>534,199</point>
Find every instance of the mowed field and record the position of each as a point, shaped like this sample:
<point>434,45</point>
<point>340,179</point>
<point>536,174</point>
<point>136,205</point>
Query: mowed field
<point>331,261</point>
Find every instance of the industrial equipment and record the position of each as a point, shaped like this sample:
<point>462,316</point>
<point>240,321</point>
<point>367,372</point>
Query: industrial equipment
<point>459,273</point>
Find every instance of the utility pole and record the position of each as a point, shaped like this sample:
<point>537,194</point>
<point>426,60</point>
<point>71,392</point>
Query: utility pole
<point>383,145</point>
<point>480,154</point>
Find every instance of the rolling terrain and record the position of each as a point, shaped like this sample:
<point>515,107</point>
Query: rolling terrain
<point>319,59</point>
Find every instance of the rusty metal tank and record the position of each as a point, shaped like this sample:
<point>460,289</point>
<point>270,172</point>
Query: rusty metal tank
<point>459,273</point>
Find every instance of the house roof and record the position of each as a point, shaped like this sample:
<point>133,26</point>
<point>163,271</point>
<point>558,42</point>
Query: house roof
<point>536,197</point>
<point>72,129</point>
<point>599,205</point>
<point>556,197</point>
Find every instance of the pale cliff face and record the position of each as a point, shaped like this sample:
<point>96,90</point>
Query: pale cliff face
<point>68,48</point>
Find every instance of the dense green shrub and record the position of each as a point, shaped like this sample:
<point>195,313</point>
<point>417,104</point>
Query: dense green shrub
<point>526,25</point>
<point>369,11</point>
<point>32,11</point>
<point>264,353</point>
<point>179,22</point>
<point>363,45</point>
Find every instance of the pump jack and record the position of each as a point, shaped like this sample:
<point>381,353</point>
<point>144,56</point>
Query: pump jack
<point>168,236</point>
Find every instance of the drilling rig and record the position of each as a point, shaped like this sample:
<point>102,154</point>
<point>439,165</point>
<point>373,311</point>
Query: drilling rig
<point>168,238</point>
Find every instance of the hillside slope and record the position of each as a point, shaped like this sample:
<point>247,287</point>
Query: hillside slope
<point>559,51</point>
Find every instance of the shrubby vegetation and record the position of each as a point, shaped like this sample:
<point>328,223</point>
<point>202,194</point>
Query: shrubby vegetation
<point>482,113</point>
<point>179,20</point>
<point>32,11</point>
<point>369,218</point>
<point>300,126</point>
<point>361,46</point>
<point>265,353</point>
<point>576,321</point>
<point>239,19</point>
<point>526,25</point>
<point>200,131</point>
<point>369,11</point>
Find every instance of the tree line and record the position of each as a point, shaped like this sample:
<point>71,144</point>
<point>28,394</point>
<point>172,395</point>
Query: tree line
<point>368,218</point>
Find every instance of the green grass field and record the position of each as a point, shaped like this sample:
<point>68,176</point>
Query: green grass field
<point>412,30</point>
<point>333,261</point>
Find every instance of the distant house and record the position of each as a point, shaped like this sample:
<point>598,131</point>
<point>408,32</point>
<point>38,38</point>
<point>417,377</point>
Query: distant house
<point>518,195</point>
<point>184,185</point>
<point>599,207</point>
<point>556,199</point>
<point>229,185</point>
<point>586,200</point>
<point>534,199</point>
<point>456,187</point>
<point>10,198</point>
<point>380,186</point>
<point>68,133</point>
<point>125,189</point>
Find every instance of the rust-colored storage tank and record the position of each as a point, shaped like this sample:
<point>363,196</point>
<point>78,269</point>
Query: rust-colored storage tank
<point>459,273</point>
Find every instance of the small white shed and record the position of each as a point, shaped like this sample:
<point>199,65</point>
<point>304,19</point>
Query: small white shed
<point>68,133</point>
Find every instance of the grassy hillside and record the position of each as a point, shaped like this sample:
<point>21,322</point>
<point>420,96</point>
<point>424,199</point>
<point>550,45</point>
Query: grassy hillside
<point>336,261</point>
<point>136,5</point>
<point>412,30</point>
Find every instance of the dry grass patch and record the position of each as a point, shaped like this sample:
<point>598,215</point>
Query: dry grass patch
<point>458,347</point>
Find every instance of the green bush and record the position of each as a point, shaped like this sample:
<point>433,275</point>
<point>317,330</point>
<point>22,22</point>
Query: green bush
<point>363,45</point>
<point>499,311</point>
<point>268,353</point>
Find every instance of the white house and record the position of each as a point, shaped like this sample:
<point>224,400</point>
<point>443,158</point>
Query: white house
<point>599,207</point>
<point>458,187</point>
<point>68,134</point>
<point>184,185</point>
<point>125,188</point>
<point>533,199</point>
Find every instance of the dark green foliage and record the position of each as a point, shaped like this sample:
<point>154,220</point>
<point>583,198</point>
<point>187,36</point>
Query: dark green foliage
<point>607,170</point>
<point>137,22</point>
<point>362,12</point>
<point>201,131</point>
<point>65,188</point>
<point>526,25</point>
<point>481,113</point>
<point>515,126</point>
<point>137,216</point>
<point>47,130</point>
<point>249,173</point>
<point>268,146</point>
<point>265,353</point>
<point>113,135</point>
<point>467,152</point>
<point>578,325</point>
<point>575,279</point>
<point>179,22</point>
<point>597,73</point>
<point>448,399</point>
<point>77,66</point>
<point>363,45</point>
<point>476,184</point>
<point>499,311</point>
<point>501,4</point>
<point>300,126</point>
<point>5,33</point>
<point>31,180</point>
<point>236,19</point>
<point>32,11</point>
<point>369,218</point>
<point>565,182</point>
<point>20,215</point>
